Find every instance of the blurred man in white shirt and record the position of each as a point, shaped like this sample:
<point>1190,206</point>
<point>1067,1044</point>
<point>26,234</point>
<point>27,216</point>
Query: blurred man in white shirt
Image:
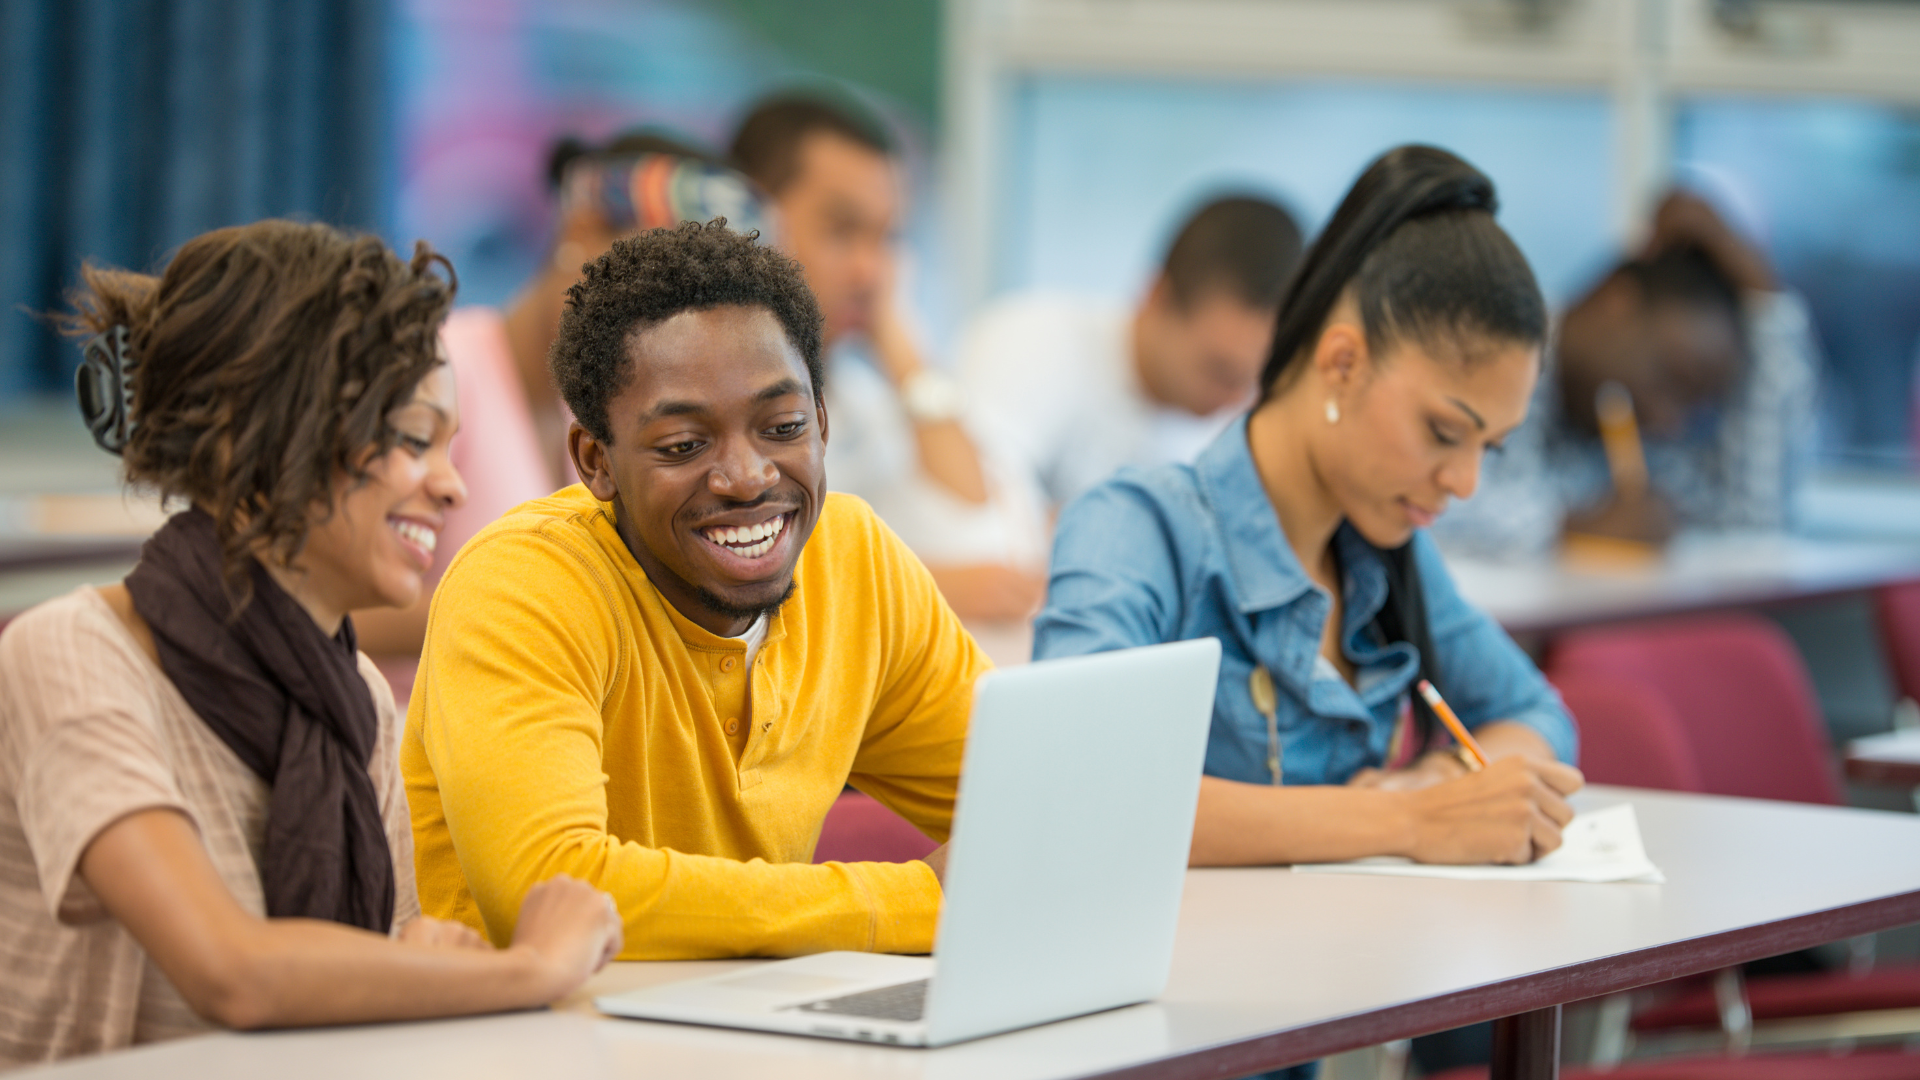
<point>1072,389</point>
<point>897,437</point>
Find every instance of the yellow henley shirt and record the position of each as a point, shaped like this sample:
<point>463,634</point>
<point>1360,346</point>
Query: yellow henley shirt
<point>567,719</point>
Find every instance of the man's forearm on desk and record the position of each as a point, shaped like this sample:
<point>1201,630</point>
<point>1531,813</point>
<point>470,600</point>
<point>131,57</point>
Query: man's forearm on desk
<point>677,906</point>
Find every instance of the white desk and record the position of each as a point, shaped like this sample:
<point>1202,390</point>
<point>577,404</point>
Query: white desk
<point>1270,968</point>
<point>51,544</point>
<point>1892,759</point>
<point>1854,531</point>
<point>1698,572</point>
<point>1877,504</point>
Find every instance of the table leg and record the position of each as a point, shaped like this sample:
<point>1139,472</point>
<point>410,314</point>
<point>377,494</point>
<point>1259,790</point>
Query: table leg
<point>1527,1046</point>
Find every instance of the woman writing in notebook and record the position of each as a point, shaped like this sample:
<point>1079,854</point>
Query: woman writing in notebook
<point>1407,347</point>
<point>201,812</point>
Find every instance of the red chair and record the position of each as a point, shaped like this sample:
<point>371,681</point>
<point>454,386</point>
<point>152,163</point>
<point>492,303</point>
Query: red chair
<point>859,829</point>
<point>1741,690</point>
<point>1628,734</point>
<point>1738,697</point>
<point>1862,1065</point>
<point>1785,997</point>
<point>1898,608</point>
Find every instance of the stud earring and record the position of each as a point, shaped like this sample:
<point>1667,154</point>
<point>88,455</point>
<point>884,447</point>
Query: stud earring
<point>1333,411</point>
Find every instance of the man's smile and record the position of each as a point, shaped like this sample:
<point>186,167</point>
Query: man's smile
<point>748,545</point>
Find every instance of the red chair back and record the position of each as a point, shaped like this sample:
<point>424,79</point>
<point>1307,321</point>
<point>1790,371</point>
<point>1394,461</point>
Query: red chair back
<point>860,829</point>
<point>1740,690</point>
<point>1628,734</point>
<point>1899,609</point>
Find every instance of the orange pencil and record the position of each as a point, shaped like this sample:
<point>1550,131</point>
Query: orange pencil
<point>1460,732</point>
<point>1620,438</point>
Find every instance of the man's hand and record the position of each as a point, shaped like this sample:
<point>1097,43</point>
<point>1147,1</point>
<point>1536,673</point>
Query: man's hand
<point>894,351</point>
<point>947,454</point>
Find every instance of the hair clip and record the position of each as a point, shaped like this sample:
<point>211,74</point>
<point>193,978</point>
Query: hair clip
<point>655,190</point>
<point>104,385</point>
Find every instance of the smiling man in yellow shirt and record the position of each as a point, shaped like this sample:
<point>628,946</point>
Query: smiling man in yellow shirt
<point>659,680</point>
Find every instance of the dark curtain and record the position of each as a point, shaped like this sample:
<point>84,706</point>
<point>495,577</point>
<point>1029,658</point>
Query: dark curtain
<point>128,126</point>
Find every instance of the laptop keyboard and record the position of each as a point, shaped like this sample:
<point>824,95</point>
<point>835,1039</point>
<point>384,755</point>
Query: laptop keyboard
<point>901,1001</point>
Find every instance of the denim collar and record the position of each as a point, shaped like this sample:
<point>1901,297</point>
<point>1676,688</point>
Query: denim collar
<point>1266,573</point>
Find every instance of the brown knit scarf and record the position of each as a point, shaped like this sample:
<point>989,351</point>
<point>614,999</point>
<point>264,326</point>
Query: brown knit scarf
<point>290,702</point>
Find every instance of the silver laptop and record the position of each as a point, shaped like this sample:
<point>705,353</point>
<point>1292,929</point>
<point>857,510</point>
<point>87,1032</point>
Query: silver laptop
<point>1069,853</point>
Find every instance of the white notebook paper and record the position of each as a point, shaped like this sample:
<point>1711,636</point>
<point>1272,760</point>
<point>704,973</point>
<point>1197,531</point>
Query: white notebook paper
<point>1600,845</point>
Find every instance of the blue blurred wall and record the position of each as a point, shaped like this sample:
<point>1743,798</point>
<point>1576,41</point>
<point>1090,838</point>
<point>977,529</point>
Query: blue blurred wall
<point>128,126</point>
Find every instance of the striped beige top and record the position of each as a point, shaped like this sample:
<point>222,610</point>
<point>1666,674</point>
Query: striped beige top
<point>90,731</point>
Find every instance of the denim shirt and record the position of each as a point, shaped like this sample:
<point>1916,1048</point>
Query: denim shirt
<point>1193,551</point>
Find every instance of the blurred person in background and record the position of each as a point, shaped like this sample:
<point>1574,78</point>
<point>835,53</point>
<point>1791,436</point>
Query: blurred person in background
<point>514,446</point>
<point>1072,390</point>
<point>899,436</point>
<point>1720,364</point>
<point>201,813</point>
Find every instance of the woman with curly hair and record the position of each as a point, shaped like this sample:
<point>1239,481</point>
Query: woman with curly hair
<point>201,814</point>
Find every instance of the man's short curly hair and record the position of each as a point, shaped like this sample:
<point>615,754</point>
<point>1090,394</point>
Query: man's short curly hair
<point>649,278</point>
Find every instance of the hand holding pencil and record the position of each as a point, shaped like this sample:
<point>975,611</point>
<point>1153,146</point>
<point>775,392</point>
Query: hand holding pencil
<point>1509,811</point>
<point>1477,758</point>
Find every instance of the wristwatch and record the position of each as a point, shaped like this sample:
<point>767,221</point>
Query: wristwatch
<point>932,397</point>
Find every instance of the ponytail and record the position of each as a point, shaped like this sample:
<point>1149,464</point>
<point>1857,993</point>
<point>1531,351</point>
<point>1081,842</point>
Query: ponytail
<point>1416,242</point>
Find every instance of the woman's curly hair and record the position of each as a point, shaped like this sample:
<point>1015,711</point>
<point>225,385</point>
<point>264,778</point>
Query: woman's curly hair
<point>649,278</point>
<point>265,361</point>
